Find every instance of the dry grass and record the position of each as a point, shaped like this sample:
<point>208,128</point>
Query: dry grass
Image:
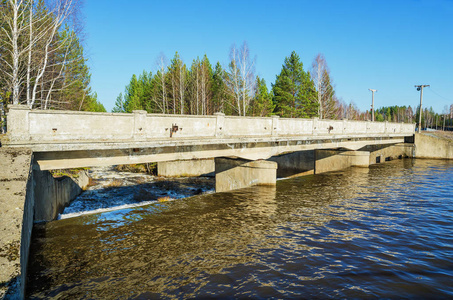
<point>114,183</point>
<point>163,199</point>
<point>444,134</point>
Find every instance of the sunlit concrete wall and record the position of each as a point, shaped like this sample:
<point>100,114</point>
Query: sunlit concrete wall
<point>193,167</point>
<point>231,174</point>
<point>334,160</point>
<point>431,146</point>
<point>50,125</point>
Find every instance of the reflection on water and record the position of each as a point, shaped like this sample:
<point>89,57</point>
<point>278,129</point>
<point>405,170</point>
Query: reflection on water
<point>380,232</point>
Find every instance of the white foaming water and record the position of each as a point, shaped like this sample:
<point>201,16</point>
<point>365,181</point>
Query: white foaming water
<point>115,190</point>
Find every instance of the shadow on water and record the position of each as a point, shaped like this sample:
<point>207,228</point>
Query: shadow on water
<point>378,232</point>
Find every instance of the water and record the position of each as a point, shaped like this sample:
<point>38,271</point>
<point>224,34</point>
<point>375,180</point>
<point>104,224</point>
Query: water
<point>110,190</point>
<point>383,232</point>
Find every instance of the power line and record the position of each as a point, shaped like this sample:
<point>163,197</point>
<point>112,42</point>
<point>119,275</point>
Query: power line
<point>440,95</point>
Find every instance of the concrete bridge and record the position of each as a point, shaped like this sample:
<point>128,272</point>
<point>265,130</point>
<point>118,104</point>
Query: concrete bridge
<point>244,151</point>
<point>68,139</point>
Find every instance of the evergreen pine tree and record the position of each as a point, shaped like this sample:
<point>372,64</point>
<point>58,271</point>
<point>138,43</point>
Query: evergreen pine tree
<point>294,91</point>
<point>262,105</point>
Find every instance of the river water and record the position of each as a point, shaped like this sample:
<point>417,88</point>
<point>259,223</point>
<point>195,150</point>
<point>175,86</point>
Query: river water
<point>382,232</point>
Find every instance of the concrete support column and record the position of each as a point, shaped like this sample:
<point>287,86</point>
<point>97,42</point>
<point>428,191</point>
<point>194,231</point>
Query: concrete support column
<point>18,124</point>
<point>315,126</point>
<point>275,125</point>
<point>382,153</point>
<point>295,164</point>
<point>139,124</point>
<point>234,174</point>
<point>182,168</point>
<point>334,160</point>
<point>220,122</point>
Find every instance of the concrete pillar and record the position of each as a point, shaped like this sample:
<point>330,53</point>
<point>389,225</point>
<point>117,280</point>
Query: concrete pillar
<point>220,122</point>
<point>295,164</point>
<point>334,160</point>
<point>315,126</point>
<point>139,124</point>
<point>231,174</point>
<point>382,153</point>
<point>194,167</point>
<point>275,125</point>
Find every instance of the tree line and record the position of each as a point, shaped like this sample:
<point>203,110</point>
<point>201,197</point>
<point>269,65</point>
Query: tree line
<point>202,89</point>
<point>42,61</point>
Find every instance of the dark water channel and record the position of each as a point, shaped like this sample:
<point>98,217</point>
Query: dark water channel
<point>383,232</point>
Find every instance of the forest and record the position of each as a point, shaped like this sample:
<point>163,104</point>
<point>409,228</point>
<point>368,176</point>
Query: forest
<point>42,59</point>
<point>43,66</point>
<point>204,88</point>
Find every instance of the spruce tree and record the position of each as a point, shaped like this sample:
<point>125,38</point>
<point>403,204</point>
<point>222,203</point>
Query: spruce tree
<point>294,91</point>
<point>262,105</point>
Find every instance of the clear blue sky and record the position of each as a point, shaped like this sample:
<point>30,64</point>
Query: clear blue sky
<point>385,45</point>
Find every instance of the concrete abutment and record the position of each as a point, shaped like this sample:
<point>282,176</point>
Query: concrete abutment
<point>232,173</point>
<point>27,195</point>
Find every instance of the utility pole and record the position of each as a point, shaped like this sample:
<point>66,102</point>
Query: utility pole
<point>372,103</point>
<point>420,88</point>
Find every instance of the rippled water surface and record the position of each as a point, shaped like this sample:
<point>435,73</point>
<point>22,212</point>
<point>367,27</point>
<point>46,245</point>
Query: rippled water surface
<point>383,232</point>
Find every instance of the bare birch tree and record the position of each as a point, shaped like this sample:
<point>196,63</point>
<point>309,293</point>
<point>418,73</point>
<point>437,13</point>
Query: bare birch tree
<point>162,65</point>
<point>182,86</point>
<point>246,67</point>
<point>233,80</point>
<point>240,78</point>
<point>32,43</point>
<point>320,75</point>
<point>14,26</point>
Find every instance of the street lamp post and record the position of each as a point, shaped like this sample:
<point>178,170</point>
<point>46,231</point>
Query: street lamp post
<point>372,103</point>
<point>420,88</point>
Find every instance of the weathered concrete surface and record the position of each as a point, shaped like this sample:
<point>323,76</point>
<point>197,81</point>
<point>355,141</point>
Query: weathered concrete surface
<point>234,174</point>
<point>381,153</point>
<point>429,145</point>
<point>195,167</point>
<point>141,138</point>
<point>291,164</point>
<point>156,151</point>
<point>16,217</point>
<point>24,194</point>
<point>334,160</point>
<point>40,126</point>
<point>54,194</point>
